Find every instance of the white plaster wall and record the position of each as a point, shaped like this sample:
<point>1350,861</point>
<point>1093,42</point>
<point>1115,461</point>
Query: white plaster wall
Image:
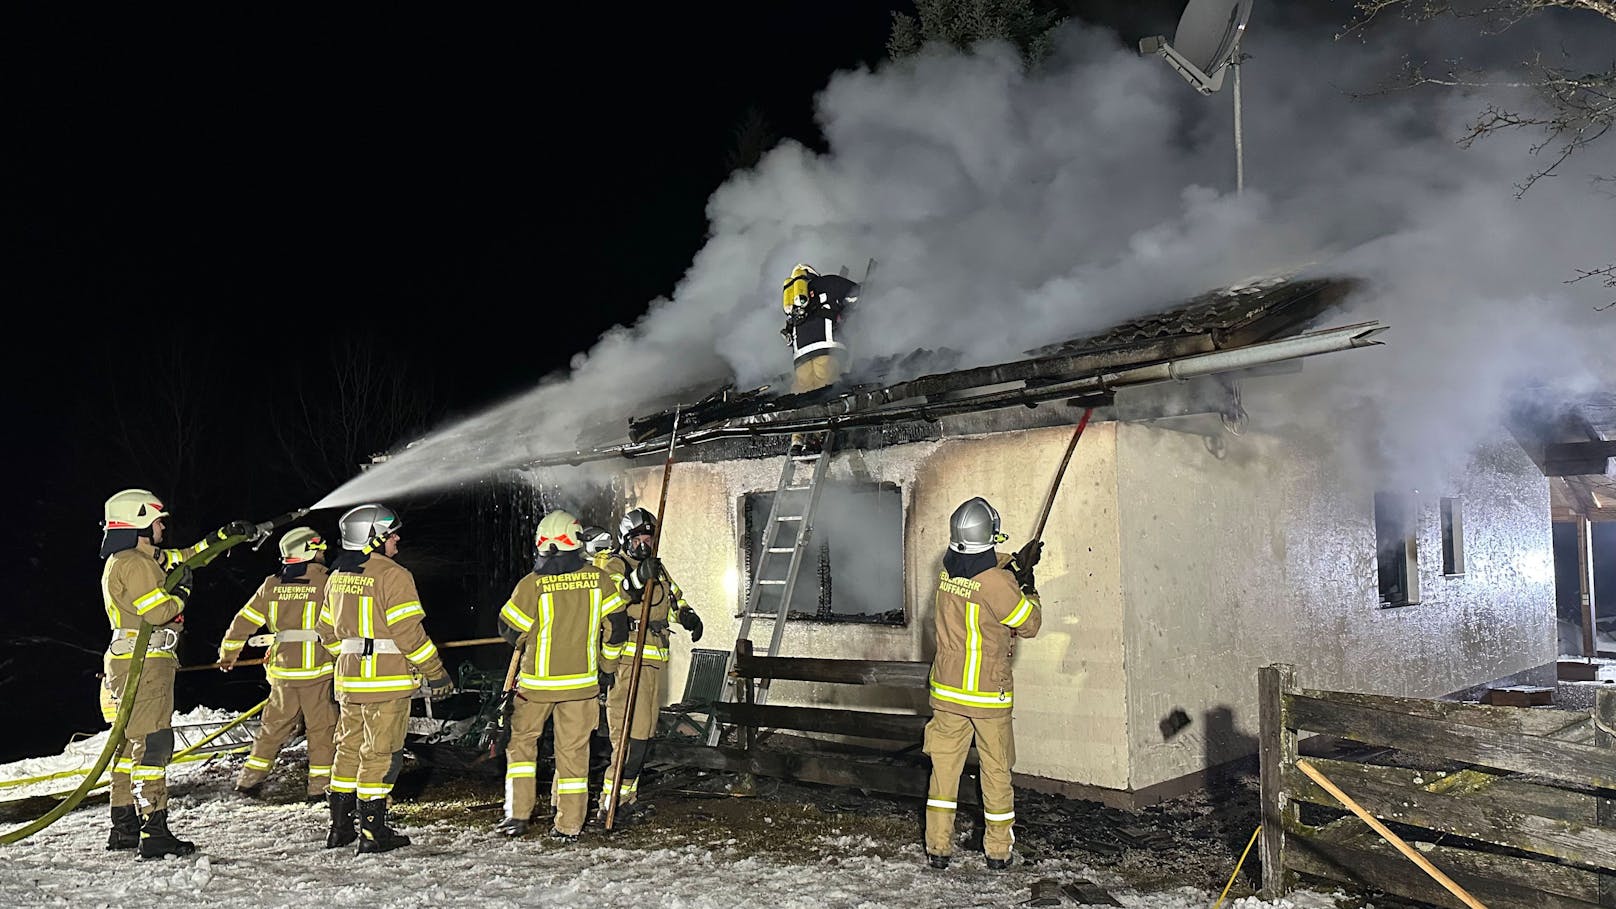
<point>1070,689</point>
<point>1263,556</point>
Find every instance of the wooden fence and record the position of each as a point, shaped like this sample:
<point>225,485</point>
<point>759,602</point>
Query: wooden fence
<point>1530,822</point>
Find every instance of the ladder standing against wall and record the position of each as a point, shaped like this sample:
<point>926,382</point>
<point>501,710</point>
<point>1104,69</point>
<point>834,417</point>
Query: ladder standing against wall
<point>774,576</point>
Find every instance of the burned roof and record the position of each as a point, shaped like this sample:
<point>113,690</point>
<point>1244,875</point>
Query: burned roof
<point>1209,330</point>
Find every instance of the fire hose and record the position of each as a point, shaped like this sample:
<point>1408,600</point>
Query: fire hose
<point>126,701</point>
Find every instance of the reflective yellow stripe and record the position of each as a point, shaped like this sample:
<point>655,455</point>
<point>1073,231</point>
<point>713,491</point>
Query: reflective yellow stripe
<point>374,790</point>
<point>612,651</point>
<point>151,601</point>
<point>941,805</point>
<point>252,614</point>
<point>276,672</point>
<point>376,683</point>
<point>557,683</point>
<point>422,653</point>
<point>973,645</point>
<point>652,652</point>
<point>144,772</point>
<point>515,617</point>
<point>1022,611</point>
<point>334,648</point>
<point>541,656</point>
<point>343,784</point>
<point>308,623</point>
<point>969,698</point>
<point>367,629</point>
<point>612,604</point>
<point>521,768</point>
<point>572,784</point>
<point>319,771</point>
<point>257,763</point>
<point>229,645</point>
<point>404,611</point>
<point>999,818</point>
<point>595,615</point>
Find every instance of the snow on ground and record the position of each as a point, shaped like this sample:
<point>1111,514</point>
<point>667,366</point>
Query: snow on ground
<point>80,755</point>
<point>266,854</point>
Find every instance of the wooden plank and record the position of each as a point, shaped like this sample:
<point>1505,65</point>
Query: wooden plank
<point>890,673</point>
<point>1382,868</point>
<point>1276,745</point>
<point>1473,817</point>
<point>1500,719</point>
<point>901,727</point>
<point>1519,696</point>
<point>809,766</point>
<point>1500,792</point>
<point>1605,814</point>
<point>1577,671</point>
<point>1584,765</point>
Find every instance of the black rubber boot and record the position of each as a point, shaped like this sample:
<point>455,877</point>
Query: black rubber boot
<point>343,832</point>
<point>374,834</point>
<point>937,861</point>
<point>556,835</point>
<point>512,828</point>
<point>998,864</point>
<point>156,841</point>
<point>125,828</point>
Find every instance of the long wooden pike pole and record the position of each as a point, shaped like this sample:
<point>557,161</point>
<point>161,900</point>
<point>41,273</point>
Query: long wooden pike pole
<point>1390,837</point>
<point>621,751</point>
<point>470,642</point>
<point>1049,498</point>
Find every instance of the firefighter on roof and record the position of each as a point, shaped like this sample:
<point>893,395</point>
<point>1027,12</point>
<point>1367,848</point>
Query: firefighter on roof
<point>372,622</point>
<point>141,583</point>
<point>557,617</point>
<point>985,601</point>
<point>632,568</point>
<point>298,666</point>
<point>815,307</point>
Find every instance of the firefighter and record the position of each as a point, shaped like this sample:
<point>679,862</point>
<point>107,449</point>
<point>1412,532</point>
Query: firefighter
<point>557,616</point>
<point>985,601</point>
<point>815,307</point>
<point>632,568</point>
<point>141,583</point>
<point>372,623</point>
<point>298,666</point>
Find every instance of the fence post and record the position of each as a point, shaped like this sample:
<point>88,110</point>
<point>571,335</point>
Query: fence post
<point>1277,750</point>
<point>1605,813</point>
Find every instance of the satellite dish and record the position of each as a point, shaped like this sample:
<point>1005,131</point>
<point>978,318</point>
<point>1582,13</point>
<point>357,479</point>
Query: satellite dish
<point>1205,46</point>
<point>1207,40</point>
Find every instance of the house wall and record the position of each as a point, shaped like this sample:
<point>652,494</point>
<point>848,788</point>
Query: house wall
<point>1070,686</point>
<point>1262,555</point>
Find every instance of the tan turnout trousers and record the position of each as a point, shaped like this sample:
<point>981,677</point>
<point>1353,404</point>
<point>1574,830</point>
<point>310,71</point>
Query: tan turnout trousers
<point>647,707</point>
<point>575,722</point>
<point>948,740</point>
<point>141,763</point>
<point>288,703</point>
<point>370,747</point>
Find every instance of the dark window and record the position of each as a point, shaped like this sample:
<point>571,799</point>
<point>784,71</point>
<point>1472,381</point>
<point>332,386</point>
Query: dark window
<point>1453,562</point>
<point>1396,549</point>
<point>852,570</point>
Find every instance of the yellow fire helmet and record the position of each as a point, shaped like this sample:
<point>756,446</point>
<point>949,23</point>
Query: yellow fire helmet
<point>133,509</point>
<point>795,291</point>
<point>561,530</point>
<point>300,544</point>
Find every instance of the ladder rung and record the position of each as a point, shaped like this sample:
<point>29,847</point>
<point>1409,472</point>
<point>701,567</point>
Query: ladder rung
<point>784,549</point>
<point>765,581</point>
<point>789,517</point>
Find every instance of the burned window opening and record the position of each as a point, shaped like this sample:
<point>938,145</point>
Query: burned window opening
<point>1396,550</point>
<point>1453,560</point>
<point>852,571</point>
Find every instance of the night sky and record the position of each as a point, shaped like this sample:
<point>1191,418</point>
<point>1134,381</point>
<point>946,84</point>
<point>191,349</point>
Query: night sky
<point>207,213</point>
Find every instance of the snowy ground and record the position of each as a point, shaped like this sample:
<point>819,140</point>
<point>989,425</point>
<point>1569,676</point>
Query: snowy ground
<point>269,854</point>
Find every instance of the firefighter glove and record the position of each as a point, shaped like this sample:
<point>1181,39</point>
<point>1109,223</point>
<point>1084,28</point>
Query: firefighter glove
<point>439,688</point>
<point>1023,572</point>
<point>648,569</point>
<point>619,628</point>
<point>692,623</point>
<point>179,581</point>
<point>238,529</point>
<point>608,680</point>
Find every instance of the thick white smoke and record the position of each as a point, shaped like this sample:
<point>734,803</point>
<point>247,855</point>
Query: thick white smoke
<point>1009,210</point>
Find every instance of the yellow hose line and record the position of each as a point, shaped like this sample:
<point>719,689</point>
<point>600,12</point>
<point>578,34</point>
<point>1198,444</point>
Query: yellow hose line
<point>223,729</point>
<point>1249,843</point>
<point>126,707</point>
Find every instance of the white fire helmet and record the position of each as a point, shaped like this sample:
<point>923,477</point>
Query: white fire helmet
<point>134,509</point>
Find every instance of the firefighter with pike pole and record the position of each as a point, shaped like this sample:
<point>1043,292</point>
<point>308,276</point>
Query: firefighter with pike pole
<point>985,602</point>
<point>557,619</point>
<point>632,708</point>
<point>372,623</point>
<point>816,306</point>
<point>298,666</point>
<point>144,585</point>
